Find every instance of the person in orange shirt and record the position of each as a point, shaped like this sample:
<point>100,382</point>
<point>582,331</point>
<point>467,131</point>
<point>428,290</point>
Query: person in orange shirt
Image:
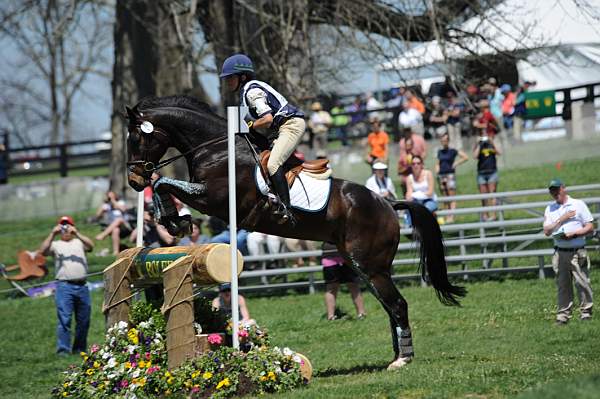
<point>414,102</point>
<point>377,141</point>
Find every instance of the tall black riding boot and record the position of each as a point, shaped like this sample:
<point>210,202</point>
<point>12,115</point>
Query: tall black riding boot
<point>281,188</point>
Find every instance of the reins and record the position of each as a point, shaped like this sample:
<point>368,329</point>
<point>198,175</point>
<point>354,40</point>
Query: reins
<point>149,166</point>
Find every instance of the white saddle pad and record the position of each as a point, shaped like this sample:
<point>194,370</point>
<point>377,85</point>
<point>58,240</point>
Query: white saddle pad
<point>307,193</point>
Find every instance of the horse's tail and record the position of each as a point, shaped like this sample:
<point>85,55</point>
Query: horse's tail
<point>433,261</point>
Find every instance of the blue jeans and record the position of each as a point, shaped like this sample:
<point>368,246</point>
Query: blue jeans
<point>429,203</point>
<point>72,298</point>
<point>223,238</point>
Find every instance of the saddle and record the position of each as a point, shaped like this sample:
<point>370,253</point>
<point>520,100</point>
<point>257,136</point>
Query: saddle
<point>30,265</point>
<point>293,166</point>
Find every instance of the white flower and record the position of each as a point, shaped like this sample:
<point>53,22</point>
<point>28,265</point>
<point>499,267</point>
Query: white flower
<point>278,370</point>
<point>136,373</point>
<point>276,349</point>
<point>131,349</point>
<point>106,355</point>
<point>287,352</point>
<point>297,359</point>
<point>111,376</point>
<point>112,362</point>
<point>144,324</point>
<point>198,328</point>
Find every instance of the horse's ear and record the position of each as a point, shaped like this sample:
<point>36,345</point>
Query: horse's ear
<point>131,115</point>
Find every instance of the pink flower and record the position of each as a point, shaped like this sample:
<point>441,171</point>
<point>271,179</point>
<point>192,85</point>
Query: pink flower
<point>215,339</point>
<point>137,355</point>
<point>243,333</point>
<point>95,348</point>
<point>124,384</point>
<point>133,365</point>
<point>152,369</point>
<point>148,355</point>
<point>195,389</point>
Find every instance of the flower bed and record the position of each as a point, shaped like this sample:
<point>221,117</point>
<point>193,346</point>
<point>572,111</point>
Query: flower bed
<point>132,363</point>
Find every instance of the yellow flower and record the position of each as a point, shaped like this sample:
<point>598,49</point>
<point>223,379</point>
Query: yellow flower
<point>148,364</point>
<point>65,394</point>
<point>96,365</point>
<point>167,374</point>
<point>207,375</point>
<point>83,354</point>
<point>271,375</point>
<point>127,365</point>
<point>170,380</point>
<point>89,371</point>
<point>168,392</point>
<point>142,364</point>
<point>187,383</point>
<point>133,336</point>
<point>101,385</point>
<point>66,384</point>
<point>263,378</point>
<point>142,381</point>
<point>223,382</point>
<point>195,374</point>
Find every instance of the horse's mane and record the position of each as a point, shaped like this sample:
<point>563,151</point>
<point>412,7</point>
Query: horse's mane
<point>177,101</point>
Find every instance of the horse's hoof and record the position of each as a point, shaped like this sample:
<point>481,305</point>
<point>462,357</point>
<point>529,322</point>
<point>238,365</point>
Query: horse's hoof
<point>400,362</point>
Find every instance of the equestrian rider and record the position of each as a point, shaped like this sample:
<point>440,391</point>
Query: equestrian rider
<point>271,115</point>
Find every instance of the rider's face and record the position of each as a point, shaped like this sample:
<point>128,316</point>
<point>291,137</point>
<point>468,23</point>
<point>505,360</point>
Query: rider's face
<point>232,82</point>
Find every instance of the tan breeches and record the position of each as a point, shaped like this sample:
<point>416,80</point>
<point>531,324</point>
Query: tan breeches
<point>290,135</point>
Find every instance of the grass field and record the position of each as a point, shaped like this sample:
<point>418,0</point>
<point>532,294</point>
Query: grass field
<point>501,343</point>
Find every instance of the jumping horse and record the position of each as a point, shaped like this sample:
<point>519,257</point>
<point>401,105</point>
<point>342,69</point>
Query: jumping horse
<point>361,224</point>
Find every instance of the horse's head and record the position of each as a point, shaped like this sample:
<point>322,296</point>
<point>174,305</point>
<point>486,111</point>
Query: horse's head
<point>146,144</point>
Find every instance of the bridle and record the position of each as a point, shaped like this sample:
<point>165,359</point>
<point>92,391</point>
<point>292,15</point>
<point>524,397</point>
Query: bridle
<point>149,166</point>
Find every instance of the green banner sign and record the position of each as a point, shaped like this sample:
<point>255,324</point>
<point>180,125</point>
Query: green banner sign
<point>152,265</point>
<point>540,104</point>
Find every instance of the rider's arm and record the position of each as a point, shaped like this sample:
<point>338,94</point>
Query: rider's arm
<point>257,100</point>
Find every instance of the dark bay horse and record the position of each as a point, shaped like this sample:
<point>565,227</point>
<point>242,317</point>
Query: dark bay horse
<point>362,225</point>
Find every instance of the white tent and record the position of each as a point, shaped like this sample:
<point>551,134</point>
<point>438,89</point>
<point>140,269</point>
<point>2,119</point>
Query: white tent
<point>561,40</point>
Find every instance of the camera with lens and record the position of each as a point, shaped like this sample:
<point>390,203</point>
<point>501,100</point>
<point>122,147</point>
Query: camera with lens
<point>64,227</point>
<point>483,139</point>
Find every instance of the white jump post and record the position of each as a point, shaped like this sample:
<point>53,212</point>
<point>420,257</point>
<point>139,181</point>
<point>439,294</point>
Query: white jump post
<point>139,242</point>
<point>235,124</point>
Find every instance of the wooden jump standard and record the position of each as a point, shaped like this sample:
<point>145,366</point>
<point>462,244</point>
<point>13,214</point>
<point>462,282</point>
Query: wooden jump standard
<point>177,268</point>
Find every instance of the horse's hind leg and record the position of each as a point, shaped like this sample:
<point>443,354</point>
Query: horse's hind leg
<point>383,288</point>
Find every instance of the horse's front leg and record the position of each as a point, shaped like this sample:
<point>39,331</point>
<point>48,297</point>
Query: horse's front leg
<point>165,209</point>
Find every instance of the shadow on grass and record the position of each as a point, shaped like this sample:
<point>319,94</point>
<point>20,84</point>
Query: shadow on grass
<point>362,368</point>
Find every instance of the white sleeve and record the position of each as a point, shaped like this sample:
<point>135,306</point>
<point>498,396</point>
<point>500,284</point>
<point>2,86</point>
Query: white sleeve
<point>547,220</point>
<point>257,100</point>
<point>585,214</point>
<point>371,185</point>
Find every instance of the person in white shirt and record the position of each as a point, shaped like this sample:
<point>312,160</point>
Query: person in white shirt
<point>72,295</point>
<point>380,183</point>
<point>569,220</point>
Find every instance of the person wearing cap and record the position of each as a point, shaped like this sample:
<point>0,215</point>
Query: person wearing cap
<point>568,221</point>
<point>379,183</point>
<point>377,144</point>
<point>319,124</point>
<point>222,303</point>
<point>271,115</point>
<point>72,294</point>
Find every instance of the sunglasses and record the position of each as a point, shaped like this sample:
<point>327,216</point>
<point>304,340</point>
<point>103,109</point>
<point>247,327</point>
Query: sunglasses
<point>417,163</point>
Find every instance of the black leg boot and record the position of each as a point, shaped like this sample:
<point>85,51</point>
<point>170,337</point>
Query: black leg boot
<point>281,188</point>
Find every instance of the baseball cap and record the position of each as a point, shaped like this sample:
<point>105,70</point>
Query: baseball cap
<point>66,220</point>
<point>554,183</point>
<point>379,166</point>
<point>492,81</point>
<point>225,287</point>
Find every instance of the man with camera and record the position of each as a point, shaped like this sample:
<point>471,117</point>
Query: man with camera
<point>72,294</point>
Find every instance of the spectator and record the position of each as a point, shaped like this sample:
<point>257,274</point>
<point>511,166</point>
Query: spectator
<point>438,118</point>
<point>520,111</point>
<point>411,118</point>
<point>508,106</point>
<point>196,238</point>
<point>223,303</point>
<point>445,168</point>
<point>495,99</point>
<point>377,141</point>
<point>379,183</point>
<point>355,108</point>
<point>485,152</point>
<point>319,123</point>
<point>339,122</point>
<point>182,209</point>
<point>113,211</point>
<point>296,245</point>
<point>3,164</point>
<point>412,101</point>
<point>373,104</point>
<point>397,98</point>
<point>419,186</point>
<point>485,120</point>
<point>154,235</point>
<point>453,121</point>
<point>220,234</point>
<point>336,272</point>
<point>410,146</point>
<point>257,241</point>
<point>72,294</point>
<point>569,220</point>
